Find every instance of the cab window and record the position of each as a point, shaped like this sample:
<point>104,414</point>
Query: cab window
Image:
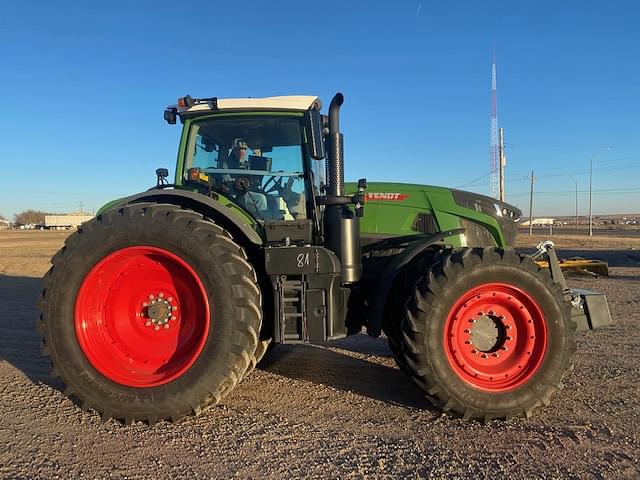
<point>257,162</point>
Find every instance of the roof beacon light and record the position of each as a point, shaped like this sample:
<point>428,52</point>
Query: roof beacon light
<point>185,102</point>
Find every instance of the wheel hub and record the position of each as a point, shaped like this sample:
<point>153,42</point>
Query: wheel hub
<point>159,311</point>
<point>485,333</point>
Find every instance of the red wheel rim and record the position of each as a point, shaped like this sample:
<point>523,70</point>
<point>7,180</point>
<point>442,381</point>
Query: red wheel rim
<point>142,316</point>
<point>495,337</point>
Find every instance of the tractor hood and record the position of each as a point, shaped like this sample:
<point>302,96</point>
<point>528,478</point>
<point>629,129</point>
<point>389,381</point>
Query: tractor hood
<point>398,209</point>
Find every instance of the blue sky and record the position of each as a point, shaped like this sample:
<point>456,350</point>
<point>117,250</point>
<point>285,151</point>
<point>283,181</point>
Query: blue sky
<point>84,86</point>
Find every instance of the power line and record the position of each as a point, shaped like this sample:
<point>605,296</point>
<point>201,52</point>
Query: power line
<point>50,192</point>
<point>571,192</point>
<point>474,180</point>
<point>525,178</point>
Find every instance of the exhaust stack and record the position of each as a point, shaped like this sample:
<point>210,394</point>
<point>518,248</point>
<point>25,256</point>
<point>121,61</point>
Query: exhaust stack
<point>335,153</point>
<point>341,225</point>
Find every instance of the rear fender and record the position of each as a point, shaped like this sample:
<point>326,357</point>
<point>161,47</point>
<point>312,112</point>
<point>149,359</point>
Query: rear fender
<point>229,216</point>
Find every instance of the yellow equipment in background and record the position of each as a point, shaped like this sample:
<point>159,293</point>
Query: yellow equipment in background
<point>580,266</point>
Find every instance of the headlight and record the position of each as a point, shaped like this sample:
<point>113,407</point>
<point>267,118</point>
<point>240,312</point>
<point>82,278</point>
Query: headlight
<point>484,204</point>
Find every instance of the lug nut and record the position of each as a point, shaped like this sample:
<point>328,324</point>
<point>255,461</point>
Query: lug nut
<point>151,297</point>
<point>173,317</point>
<point>166,325</point>
<point>156,328</point>
<point>161,295</point>
<point>170,299</point>
<point>174,308</point>
<point>147,323</point>
<point>145,304</point>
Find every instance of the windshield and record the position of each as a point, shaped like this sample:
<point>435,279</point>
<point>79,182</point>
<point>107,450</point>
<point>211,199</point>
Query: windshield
<point>255,161</point>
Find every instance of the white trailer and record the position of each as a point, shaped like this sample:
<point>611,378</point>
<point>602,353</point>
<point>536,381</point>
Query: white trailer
<point>65,222</point>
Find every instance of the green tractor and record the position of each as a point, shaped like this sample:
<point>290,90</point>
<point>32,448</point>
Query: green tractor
<point>161,304</point>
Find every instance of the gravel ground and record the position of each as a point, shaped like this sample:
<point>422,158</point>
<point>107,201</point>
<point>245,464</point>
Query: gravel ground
<point>337,411</point>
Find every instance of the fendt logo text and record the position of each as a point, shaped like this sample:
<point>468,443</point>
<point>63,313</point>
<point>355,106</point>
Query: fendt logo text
<point>397,197</point>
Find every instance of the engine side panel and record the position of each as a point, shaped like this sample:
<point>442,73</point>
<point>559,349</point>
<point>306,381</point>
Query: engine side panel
<point>397,209</point>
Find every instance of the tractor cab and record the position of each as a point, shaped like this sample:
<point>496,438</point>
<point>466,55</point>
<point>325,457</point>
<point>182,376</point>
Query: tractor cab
<point>263,155</point>
<point>257,162</point>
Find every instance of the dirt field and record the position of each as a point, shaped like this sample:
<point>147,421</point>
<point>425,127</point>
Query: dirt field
<point>337,411</point>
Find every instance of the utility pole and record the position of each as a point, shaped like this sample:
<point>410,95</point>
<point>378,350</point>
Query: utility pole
<point>590,185</point>
<point>604,149</point>
<point>81,205</point>
<point>576,205</point>
<point>503,163</point>
<point>576,184</point>
<point>531,205</point>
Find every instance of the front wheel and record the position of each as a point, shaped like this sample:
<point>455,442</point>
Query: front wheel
<point>487,334</point>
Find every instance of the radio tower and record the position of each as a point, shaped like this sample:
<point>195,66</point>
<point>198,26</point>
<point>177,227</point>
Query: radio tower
<point>494,159</point>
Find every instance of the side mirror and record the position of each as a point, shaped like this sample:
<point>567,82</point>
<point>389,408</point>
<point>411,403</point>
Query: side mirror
<point>170,115</point>
<point>315,138</point>
<point>162,174</point>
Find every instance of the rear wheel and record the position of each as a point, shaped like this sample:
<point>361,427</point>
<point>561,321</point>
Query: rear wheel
<point>150,312</point>
<point>488,335</point>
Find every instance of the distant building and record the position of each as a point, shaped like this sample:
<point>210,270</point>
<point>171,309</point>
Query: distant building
<point>64,222</point>
<point>4,224</point>
<point>539,222</point>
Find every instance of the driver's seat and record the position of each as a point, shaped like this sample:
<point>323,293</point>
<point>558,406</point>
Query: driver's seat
<point>277,209</point>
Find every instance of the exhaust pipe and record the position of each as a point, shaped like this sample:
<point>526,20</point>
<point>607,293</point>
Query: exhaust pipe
<point>341,225</point>
<point>335,153</point>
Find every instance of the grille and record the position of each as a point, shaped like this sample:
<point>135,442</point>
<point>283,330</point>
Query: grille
<point>424,223</point>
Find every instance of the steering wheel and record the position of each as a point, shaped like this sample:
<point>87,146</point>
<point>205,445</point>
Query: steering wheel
<point>277,184</point>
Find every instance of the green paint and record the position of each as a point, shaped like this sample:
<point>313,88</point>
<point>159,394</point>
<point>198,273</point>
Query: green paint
<point>395,214</point>
<point>110,205</point>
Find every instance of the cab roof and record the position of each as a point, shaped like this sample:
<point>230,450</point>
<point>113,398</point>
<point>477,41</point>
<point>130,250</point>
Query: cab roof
<point>290,102</point>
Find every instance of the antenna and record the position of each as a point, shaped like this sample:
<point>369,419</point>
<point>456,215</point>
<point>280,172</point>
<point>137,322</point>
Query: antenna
<point>494,158</point>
